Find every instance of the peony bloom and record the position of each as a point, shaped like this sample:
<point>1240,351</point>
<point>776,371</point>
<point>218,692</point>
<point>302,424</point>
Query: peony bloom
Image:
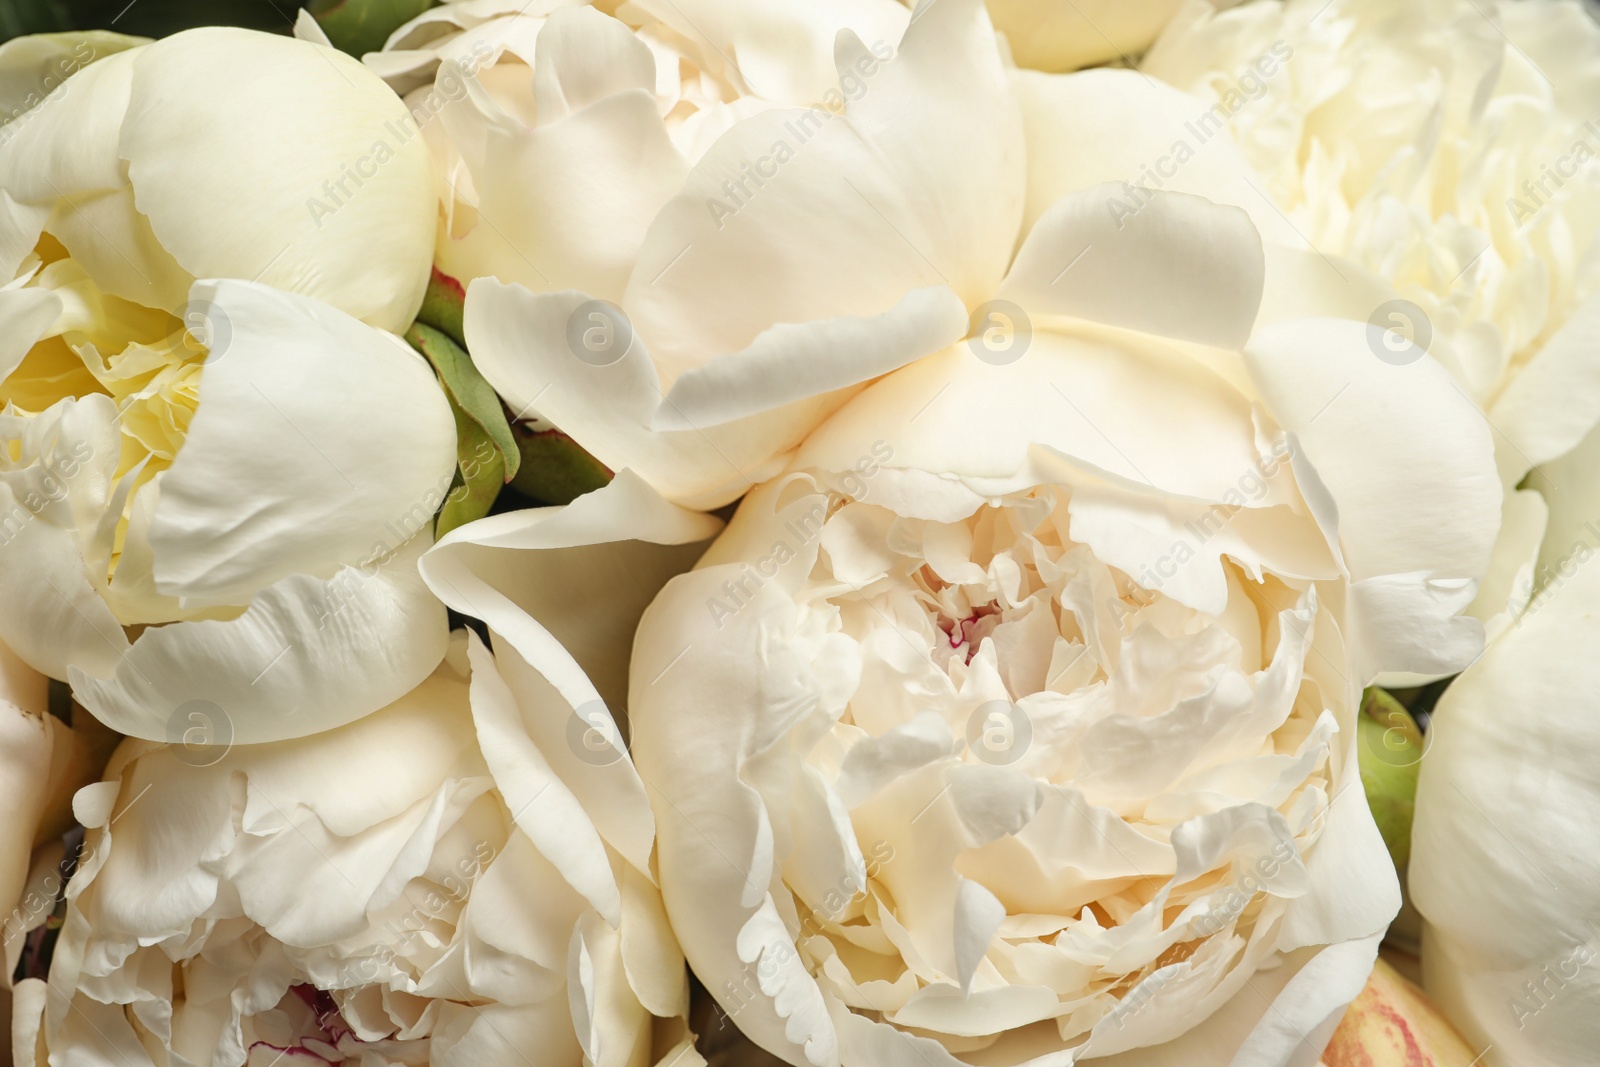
<point>1013,715</point>
<point>1448,150</point>
<point>1501,868</point>
<point>307,178</point>
<point>562,130</point>
<point>950,753</point>
<point>215,491</point>
<point>444,881</point>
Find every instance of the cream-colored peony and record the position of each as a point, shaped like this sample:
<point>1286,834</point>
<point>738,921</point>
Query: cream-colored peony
<point>216,490</point>
<point>1012,718</point>
<point>306,177</point>
<point>449,881</point>
<point>561,129</point>
<point>1449,150</point>
<point>961,743</point>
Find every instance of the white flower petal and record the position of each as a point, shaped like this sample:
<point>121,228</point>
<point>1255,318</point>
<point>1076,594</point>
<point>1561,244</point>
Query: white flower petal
<point>978,916</point>
<point>26,315</point>
<point>714,851</point>
<point>33,65</point>
<point>1114,125</point>
<point>521,572</point>
<point>791,363</point>
<point>1554,401</point>
<point>1174,265</point>
<point>1079,34</point>
<point>584,56</point>
<point>318,442</point>
<point>1506,790</point>
<point>524,346</point>
<point>1111,403</point>
<point>310,177</point>
<point>565,203</point>
<point>55,616</point>
<point>784,52</point>
<point>542,805</point>
<point>1407,457</point>
<point>307,655</point>
<point>918,182</point>
<point>29,742</point>
<point>1352,890</point>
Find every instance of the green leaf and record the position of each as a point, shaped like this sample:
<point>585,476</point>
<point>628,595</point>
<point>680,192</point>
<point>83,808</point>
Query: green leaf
<point>1391,750</point>
<point>467,390</point>
<point>480,475</point>
<point>362,26</point>
<point>444,307</point>
<point>555,470</point>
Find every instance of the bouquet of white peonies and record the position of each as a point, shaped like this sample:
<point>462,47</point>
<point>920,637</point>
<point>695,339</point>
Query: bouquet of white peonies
<point>850,534</point>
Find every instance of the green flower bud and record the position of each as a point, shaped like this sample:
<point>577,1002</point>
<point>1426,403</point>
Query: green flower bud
<point>1391,750</point>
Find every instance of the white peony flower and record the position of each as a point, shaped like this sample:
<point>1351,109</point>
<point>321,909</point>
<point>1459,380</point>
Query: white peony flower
<point>450,880</point>
<point>159,164</point>
<point>562,130</point>
<point>248,544</point>
<point>1502,864</point>
<point>1074,409</point>
<point>961,739</point>
<point>1446,149</point>
<point>215,491</point>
